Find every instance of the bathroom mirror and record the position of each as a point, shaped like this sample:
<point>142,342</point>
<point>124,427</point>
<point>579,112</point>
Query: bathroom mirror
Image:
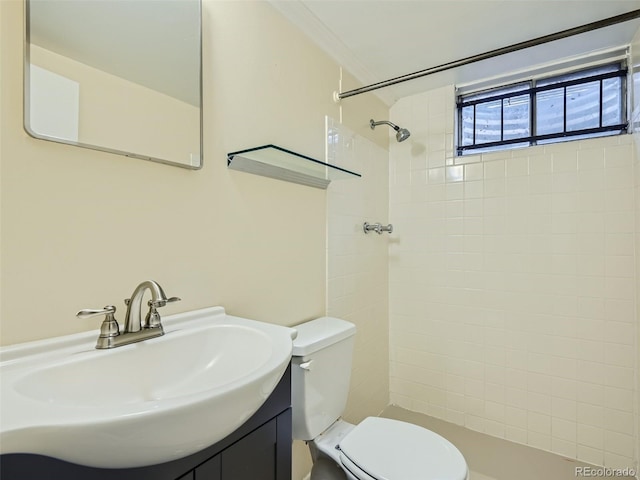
<point>118,76</point>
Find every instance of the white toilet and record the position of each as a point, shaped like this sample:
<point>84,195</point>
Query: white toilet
<point>375,449</point>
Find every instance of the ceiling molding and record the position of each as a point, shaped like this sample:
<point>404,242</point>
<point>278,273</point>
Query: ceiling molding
<point>297,13</point>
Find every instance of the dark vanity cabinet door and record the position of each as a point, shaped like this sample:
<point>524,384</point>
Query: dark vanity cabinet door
<point>252,458</point>
<point>209,470</point>
<point>259,450</point>
<point>264,454</point>
<point>261,445</point>
<point>188,476</point>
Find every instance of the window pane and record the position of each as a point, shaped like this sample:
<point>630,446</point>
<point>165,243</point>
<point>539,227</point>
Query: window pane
<point>550,111</point>
<point>504,114</point>
<point>497,91</point>
<point>579,137</point>
<point>580,74</point>
<point>466,125</point>
<point>583,106</point>
<point>488,122</point>
<point>516,117</point>
<point>612,101</point>
<point>496,148</point>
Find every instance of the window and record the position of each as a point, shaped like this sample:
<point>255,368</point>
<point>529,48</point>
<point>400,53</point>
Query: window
<point>583,104</point>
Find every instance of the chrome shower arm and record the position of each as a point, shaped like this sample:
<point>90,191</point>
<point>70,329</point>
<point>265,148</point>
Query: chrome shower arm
<point>401,133</point>
<point>374,124</point>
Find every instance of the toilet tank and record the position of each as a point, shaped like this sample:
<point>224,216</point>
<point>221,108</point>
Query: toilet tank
<point>321,370</point>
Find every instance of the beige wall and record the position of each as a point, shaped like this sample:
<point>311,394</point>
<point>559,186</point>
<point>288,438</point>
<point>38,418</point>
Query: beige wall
<point>82,228</point>
<point>512,287</point>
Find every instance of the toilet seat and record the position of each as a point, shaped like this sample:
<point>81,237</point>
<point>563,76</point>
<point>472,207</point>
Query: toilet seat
<point>385,449</point>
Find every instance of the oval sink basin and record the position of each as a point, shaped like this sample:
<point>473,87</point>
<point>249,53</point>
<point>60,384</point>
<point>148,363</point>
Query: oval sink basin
<point>140,404</point>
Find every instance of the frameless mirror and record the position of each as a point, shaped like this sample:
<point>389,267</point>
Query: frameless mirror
<point>118,76</point>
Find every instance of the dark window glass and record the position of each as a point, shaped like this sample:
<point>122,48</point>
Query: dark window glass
<point>611,101</point>
<point>467,125</point>
<point>519,87</point>
<point>516,117</point>
<point>550,111</point>
<point>590,72</point>
<point>488,122</point>
<point>583,106</point>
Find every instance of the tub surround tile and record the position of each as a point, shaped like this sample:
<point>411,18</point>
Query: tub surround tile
<point>357,266</point>
<point>520,279</point>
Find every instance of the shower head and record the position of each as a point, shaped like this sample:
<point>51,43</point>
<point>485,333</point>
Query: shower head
<point>401,133</point>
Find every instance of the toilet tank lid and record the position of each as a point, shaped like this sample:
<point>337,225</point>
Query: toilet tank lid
<point>320,333</point>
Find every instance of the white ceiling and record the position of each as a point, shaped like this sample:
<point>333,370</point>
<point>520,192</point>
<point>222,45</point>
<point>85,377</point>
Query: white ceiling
<point>381,39</point>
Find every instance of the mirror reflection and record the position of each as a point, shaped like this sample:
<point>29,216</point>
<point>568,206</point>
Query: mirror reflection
<point>119,76</point>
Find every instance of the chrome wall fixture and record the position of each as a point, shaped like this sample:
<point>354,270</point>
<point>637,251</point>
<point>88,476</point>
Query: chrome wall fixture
<point>377,227</point>
<point>401,133</point>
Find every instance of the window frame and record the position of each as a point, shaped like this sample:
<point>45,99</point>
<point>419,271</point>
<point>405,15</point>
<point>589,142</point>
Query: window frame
<point>533,89</point>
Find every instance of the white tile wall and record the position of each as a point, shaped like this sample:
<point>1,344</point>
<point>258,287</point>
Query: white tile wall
<point>357,264</point>
<point>635,122</point>
<point>512,286</point>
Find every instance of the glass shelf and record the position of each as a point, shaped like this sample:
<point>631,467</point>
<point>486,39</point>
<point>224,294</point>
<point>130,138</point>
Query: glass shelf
<point>276,162</point>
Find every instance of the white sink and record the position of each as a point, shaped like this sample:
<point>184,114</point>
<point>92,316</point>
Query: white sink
<point>144,403</point>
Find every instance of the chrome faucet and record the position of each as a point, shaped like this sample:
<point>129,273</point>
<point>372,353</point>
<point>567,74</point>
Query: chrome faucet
<point>133,318</point>
<point>135,330</point>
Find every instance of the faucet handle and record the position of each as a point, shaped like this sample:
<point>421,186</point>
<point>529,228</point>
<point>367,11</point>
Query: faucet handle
<point>152,319</point>
<point>162,302</point>
<point>88,313</point>
<point>109,328</point>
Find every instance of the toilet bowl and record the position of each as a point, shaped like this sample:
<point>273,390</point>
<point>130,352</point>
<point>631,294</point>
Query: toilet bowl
<point>376,448</point>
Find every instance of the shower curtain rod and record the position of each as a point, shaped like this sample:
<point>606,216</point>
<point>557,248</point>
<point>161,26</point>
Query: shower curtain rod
<point>606,22</point>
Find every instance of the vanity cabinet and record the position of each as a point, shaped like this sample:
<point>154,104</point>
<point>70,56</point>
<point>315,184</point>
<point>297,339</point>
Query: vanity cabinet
<point>251,458</point>
<point>259,450</point>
